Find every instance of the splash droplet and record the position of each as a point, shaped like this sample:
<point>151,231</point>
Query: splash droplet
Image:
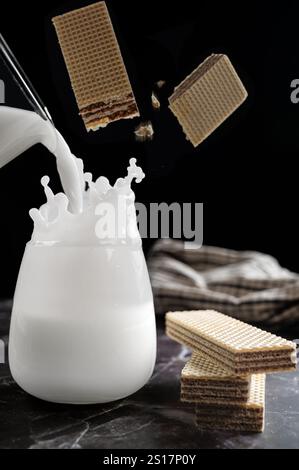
<point>134,172</point>
<point>48,191</point>
<point>88,179</point>
<point>102,185</point>
<point>45,181</point>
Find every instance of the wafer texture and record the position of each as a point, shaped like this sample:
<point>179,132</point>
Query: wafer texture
<point>204,381</point>
<point>207,97</point>
<point>202,368</point>
<point>249,416</point>
<point>246,367</point>
<point>95,65</point>
<point>237,346</point>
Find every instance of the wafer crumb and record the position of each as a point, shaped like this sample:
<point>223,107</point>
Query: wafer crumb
<point>144,131</point>
<point>160,83</point>
<point>155,102</point>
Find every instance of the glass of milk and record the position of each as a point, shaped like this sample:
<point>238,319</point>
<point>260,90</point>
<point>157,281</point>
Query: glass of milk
<point>83,324</point>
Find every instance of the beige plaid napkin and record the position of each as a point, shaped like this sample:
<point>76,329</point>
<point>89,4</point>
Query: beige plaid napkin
<point>247,285</point>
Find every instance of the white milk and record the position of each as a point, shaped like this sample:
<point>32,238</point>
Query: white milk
<point>83,323</point>
<point>20,130</point>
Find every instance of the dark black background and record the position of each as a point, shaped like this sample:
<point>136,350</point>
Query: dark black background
<point>245,173</point>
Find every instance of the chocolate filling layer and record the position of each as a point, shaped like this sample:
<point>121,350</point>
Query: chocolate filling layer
<point>114,116</point>
<point>104,106</point>
<point>210,383</point>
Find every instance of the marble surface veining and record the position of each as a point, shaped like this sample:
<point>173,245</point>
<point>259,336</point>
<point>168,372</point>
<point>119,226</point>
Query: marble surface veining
<point>153,418</point>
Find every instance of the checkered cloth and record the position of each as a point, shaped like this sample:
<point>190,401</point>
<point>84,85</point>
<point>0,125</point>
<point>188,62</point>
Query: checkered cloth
<point>246,285</point>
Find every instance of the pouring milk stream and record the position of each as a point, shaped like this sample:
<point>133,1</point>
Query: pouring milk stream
<point>21,129</point>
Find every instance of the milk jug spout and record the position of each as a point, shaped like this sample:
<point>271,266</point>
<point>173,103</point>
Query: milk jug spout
<point>20,130</point>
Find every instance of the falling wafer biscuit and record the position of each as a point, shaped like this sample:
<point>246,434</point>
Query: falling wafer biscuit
<point>207,97</point>
<point>206,382</point>
<point>248,416</point>
<point>237,346</point>
<point>95,66</point>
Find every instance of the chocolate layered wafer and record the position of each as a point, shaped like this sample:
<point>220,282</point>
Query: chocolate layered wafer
<point>206,382</point>
<point>237,346</point>
<point>248,416</point>
<point>207,97</point>
<point>95,65</point>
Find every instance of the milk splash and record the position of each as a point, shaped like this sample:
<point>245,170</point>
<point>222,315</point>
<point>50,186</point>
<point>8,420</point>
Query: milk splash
<point>108,213</point>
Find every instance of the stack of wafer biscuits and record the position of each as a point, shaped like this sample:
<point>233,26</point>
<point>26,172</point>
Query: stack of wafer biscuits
<point>207,97</point>
<point>95,65</point>
<point>225,376</point>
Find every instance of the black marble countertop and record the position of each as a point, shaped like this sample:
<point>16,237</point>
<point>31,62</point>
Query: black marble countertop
<point>153,418</point>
